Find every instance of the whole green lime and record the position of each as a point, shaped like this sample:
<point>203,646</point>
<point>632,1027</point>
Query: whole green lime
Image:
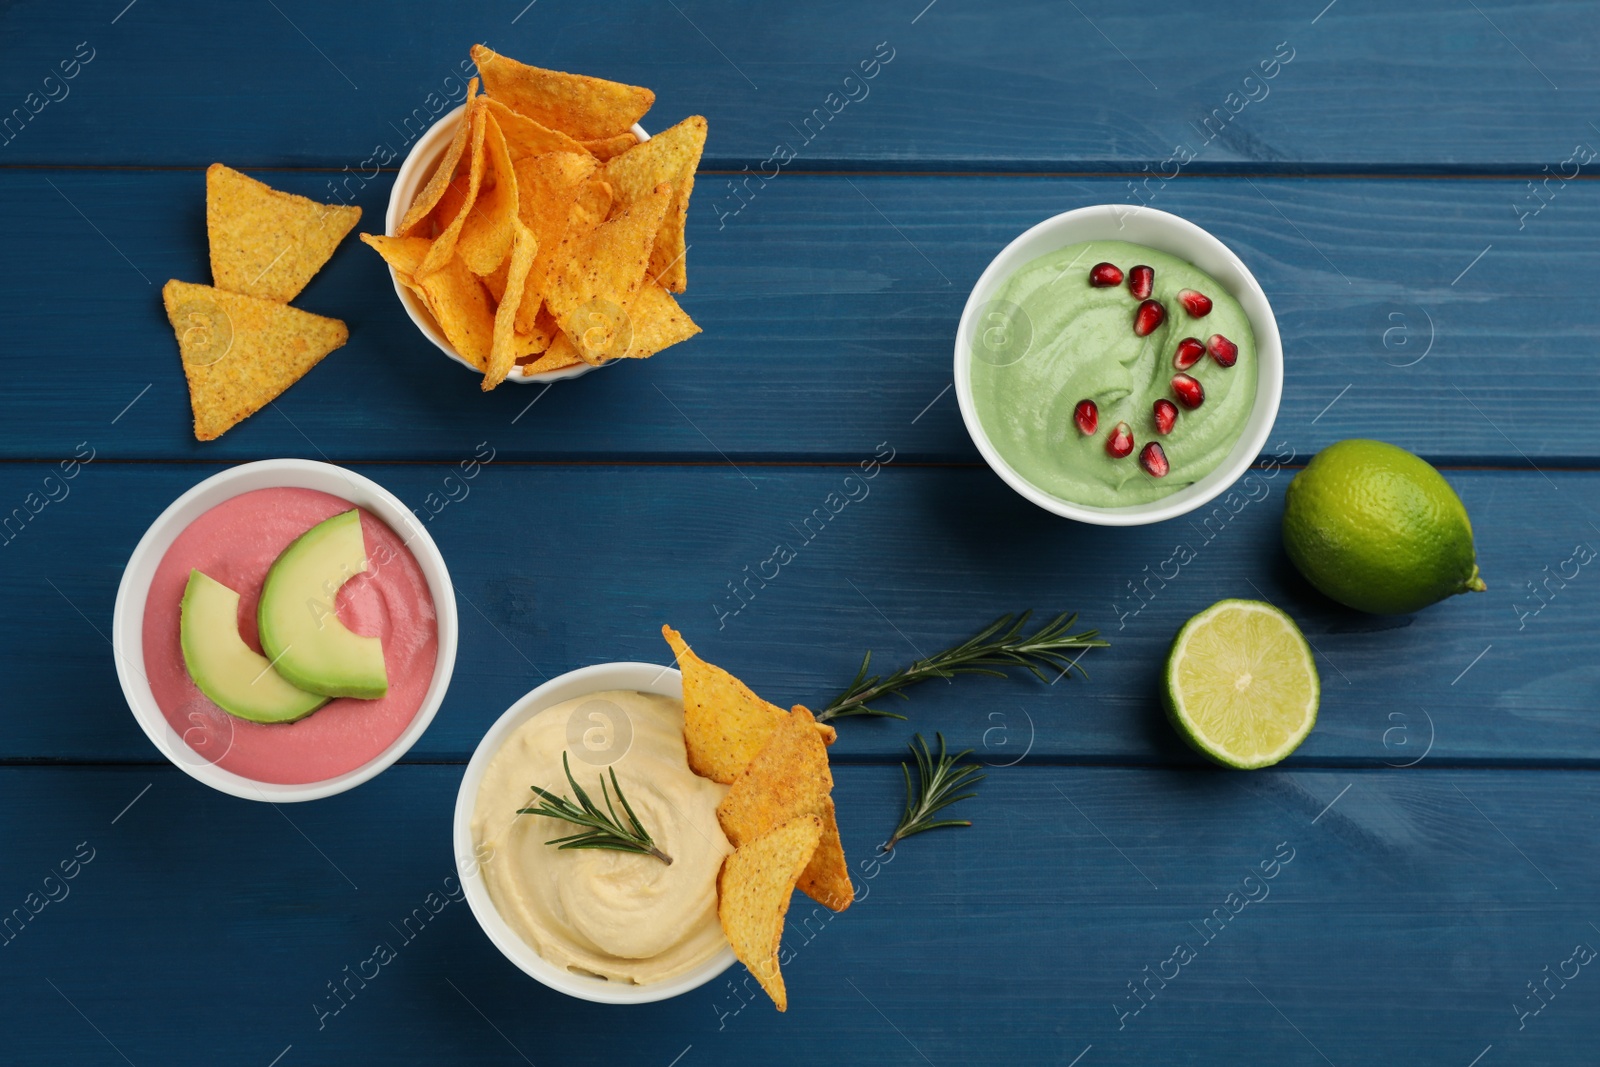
<point>1378,529</point>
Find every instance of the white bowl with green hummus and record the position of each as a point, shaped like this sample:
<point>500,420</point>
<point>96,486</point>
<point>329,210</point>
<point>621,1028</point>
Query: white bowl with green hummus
<point>602,925</point>
<point>1038,338</point>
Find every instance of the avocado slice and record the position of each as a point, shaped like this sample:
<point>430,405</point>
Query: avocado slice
<point>236,677</point>
<point>300,628</point>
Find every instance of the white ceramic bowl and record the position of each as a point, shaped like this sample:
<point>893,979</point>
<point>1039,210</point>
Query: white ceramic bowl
<point>127,624</point>
<point>639,678</point>
<point>1165,233</point>
<point>419,165</point>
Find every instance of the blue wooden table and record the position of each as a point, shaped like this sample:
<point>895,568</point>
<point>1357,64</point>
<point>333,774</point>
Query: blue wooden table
<point>1411,183</point>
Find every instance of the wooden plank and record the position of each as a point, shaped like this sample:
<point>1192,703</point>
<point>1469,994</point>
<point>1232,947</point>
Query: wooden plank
<point>1405,915</point>
<point>1414,311</point>
<point>1426,86</point>
<point>557,567</point>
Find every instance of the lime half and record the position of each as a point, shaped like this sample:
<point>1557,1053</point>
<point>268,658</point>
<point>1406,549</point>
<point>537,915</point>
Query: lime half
<point>1241,686</point>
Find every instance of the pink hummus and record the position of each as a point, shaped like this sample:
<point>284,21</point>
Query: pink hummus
<point>235,543</point>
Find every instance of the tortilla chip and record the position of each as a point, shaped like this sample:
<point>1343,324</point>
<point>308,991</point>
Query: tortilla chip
<point>240,352</point>
<point>724,723</point>
<point>590,290</point>
<point>526,138</point>
<point>826,878</point>
<point>486,232</point>
<point>265,242</point>
<point>529,347</point>
<point>444,245</point>
<point>450,205</point>
<point>670,156</point>
<point>544,332</point>
<point>503,352</point>
<point>753,891</point>
<point>582,107</point>
<point>558,356</point>
<point>495,281</point>
<point>607,147</point>
<point>404,254</point>
<point>425,201</point>
<point>547,187</point>
<point>461,306</point>
<point>656,322</point>
<point>789,777</point>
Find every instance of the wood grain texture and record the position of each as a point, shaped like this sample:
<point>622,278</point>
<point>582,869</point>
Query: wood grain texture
<point>559,567</point>
<point>1413,311</point>
<point>1402,928</point>
<point>1030,85</point>
<point>1400,189</point>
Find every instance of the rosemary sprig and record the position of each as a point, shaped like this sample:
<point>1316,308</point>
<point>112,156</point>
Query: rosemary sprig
<point>998,645</point>
<point>937,782</point>
<point>606,830</point>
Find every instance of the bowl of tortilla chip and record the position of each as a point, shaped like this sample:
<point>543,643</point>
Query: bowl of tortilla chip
<point>536,231</point>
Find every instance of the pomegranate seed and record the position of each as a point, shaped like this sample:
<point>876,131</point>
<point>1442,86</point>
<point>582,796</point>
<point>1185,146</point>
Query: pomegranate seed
<point>1087,416</point>
<point>1153,458</point>
<point>1189,352</point>
<point>1188,391</point>
<point>1166,413</point>
<point>1105,275</point>
<point>1224,351</point>
<point>1149,315</point>
<point>1120,442</point>
<point>1141,280</point>
<point>1196,304</point>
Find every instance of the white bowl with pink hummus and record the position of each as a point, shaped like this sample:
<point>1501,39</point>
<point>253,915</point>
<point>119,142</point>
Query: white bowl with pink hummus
<point>232,527</point>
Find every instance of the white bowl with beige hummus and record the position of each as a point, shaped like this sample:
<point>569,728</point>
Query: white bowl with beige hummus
<point>602,925</point>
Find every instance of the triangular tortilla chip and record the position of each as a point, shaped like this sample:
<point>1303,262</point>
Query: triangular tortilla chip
<point>753,892</point>
<point>450,205</point>
<point>495,281</point>
<point>787,778</point>
<point>558,356</point>
<point>526,138</point>
<point>582,107</point>
<point>543,334</point>
<point>404,254</point>
<point>826,878</point>
<point>460,304</point>
<point>547,187</point>
<point>486,232</point>
<point>503,352</point>
<point>670,156</point>
<point>724,723</point>
<point>442,175</point>
<point>656,322</point>
<point>444,245</point>
<point>240,352</point>
<point>607,147</point>
<point>265,242</point>
<point>589,293</point>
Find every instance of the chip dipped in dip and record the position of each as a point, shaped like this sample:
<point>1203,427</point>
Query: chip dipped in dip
<point>624,916</point>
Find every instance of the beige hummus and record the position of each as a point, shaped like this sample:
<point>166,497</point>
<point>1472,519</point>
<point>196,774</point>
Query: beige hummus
<point>620,915</point>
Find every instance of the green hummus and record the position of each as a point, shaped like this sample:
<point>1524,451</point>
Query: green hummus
<point>1049,339</point>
